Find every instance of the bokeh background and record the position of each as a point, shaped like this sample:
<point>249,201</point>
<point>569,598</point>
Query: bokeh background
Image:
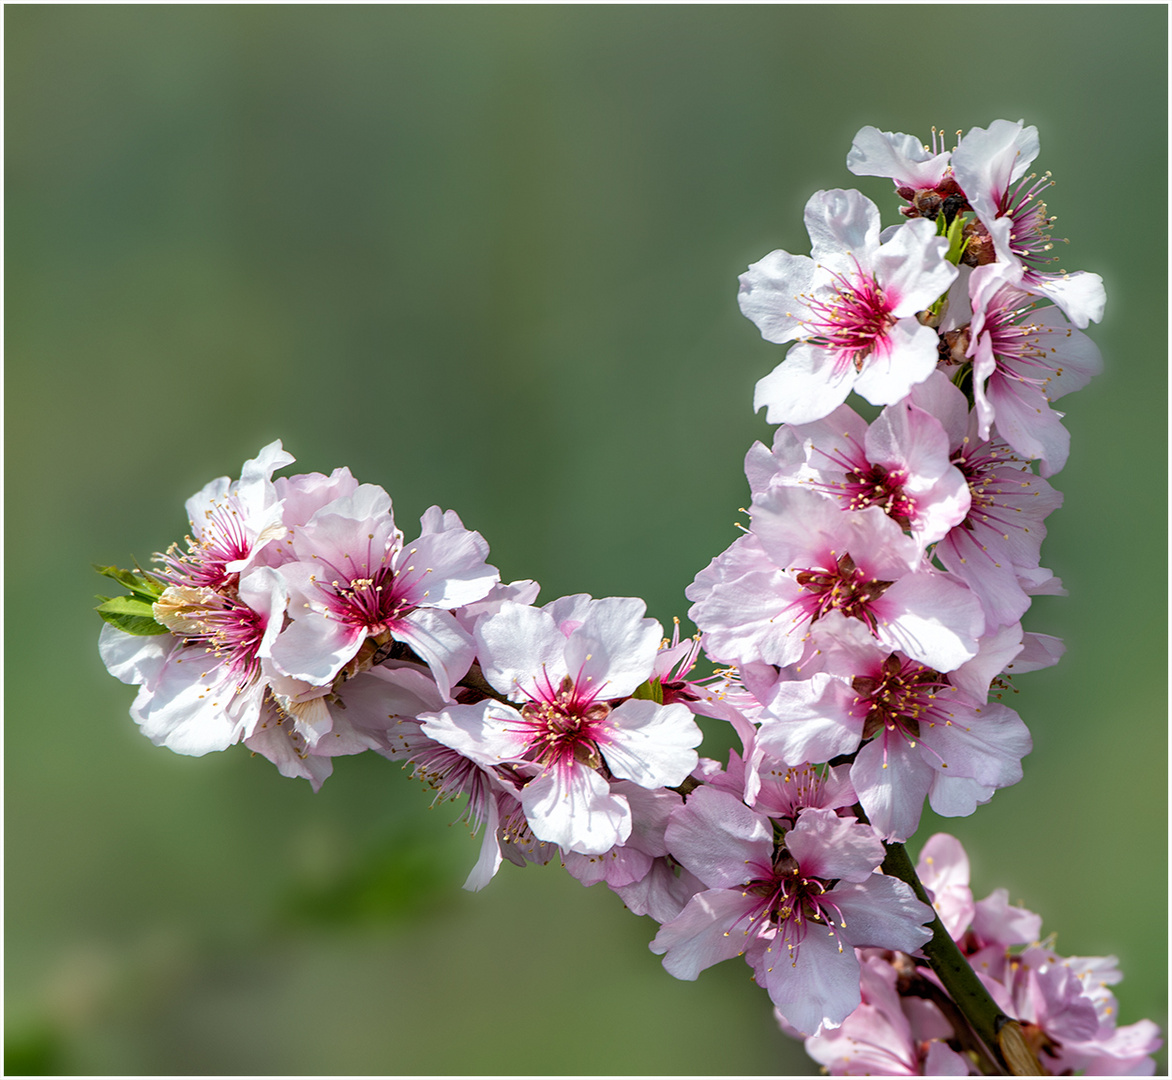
<point>487,257</point>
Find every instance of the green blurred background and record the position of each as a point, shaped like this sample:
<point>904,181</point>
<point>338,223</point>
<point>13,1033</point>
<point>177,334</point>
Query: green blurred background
<point>487,257</point>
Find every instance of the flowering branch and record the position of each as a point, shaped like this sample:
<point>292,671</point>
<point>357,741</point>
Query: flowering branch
<point>866,622</point>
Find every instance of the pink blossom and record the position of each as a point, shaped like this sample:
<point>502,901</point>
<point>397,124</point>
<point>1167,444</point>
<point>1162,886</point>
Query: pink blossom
<point>795,911</point>
<point>203,685</point>
<point>995,550</point>
<point>1022,360</point>
<point>573,664</point>
<point>853,304</point>
<point>900,463</point>
<point>943,870</point>
<point>916,736</point>
<point>352,578</point>
<point>887,1035</point>
<point>232,522</point>
<point>808,568</point>
<point>990,166</point>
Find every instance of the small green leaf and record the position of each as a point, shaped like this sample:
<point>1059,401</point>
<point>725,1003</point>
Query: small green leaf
<point>957,241</point>
<point>126,605</point>
<point>651,690</point>
<point>131,614</point>
<point>135,581</point>
<point>138,625</point>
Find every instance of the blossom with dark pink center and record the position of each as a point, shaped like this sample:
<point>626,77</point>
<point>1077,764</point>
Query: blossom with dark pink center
<point>571,668</point>
<point>352,578</point>
<point>203,685</point>
<point>852,304</point>
<point>232,522</point>
<point>996,549</point>
<point>807,567</point>
<point>990,165</point>
<point>1023,359</point>
<point>912,733</point>
<point>900,463</point>
<point>794,907</point>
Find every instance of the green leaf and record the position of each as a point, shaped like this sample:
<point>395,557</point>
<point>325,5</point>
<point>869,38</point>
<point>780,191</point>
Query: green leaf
<point>135,581</point>
<point>130,614</point>
<point>651,690</point>
<point>137,625</point>
<point>957,241</point>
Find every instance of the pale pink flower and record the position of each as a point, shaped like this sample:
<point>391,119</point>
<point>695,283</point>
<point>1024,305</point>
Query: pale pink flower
<point>943,870</point>
<point>990,165</point>
<point>853,304</point>
<point>201,686</point>
<point>232,522</point>
<point>1023,359</point>
<point>995,550</point>
<point>900,463</point>
<point>795,910</point>
<point>353,578</point>
<point>887,1035</point>
<point>808,567</point>
<point>916,736</point>
<point>573,666</point>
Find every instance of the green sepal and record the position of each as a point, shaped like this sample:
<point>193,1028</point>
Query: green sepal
<point>957,241</point>
<point>651,690</point>
<point>136,582</point>
<point>131,615</point>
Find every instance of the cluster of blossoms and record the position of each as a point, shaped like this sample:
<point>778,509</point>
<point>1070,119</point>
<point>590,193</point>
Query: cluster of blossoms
<point>908,1026</point>
<point>865,624</point>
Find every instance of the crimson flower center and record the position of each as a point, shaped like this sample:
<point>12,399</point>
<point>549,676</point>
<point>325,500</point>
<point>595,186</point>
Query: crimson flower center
<point>368,602</point>
<point>878,486</point>
<point>564,724</point>
<point>791,902</point>
<point>903,694</point>
<point>854,323</point>
<point>845,588</point>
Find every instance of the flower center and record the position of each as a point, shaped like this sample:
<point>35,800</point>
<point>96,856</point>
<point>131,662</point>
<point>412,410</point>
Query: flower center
<point>228,629</point>
<point>564,725</point>
<point>1030,236</point>
<point>879,486</point>
<point>994,474</point>
<point>368,602</point>
<point>845,588</point>
<point>899,697</point>
<point>222,540</point>
<point>792,902</point>
<point>854,322</point>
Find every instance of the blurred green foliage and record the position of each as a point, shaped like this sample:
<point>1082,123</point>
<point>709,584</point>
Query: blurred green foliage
<point>487,257</point>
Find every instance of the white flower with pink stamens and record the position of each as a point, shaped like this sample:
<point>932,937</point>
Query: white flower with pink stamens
<point>990,165</point>
<point>795,907</point>
<point>572,666</point>
<point>232,523</point>
<point>996,549</point>
<point>203,685</point>
<point>1023,359</point>
<point>853,305</point>
<point>353,578</point>
<point>807,567</point>
<point>900,463</point>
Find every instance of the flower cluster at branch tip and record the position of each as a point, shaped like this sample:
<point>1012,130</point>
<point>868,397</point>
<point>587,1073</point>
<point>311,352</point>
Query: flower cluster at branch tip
<point>906,1025</point>
<point>866,624</point>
